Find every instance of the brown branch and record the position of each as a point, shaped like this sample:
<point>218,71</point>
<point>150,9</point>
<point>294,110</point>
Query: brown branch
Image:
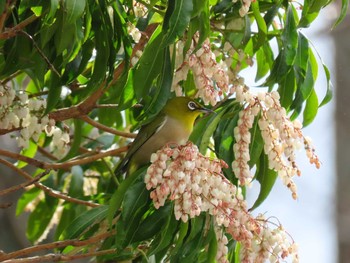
<point>64,165</point>
<point>22,185</point>
<point>55,245</point>
<point>11,32</point>
<point>48,190</point>
<point>59,257</point>
<point>47,154</point>
<point>106,128</point>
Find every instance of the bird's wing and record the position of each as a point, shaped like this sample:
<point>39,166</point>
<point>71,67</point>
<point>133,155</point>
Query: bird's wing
<point>144,134</point>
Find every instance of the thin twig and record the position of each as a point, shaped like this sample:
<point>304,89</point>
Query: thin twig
<point>59,257</point>
<point>48,190</point>
<point>41,53</point>
<point>64,165</point>
<point>106,106</point>
<point>106,128</point>
<point>13,31</point>
<point>46,153</point>
<point>55,245</point>
<point>22,185</point>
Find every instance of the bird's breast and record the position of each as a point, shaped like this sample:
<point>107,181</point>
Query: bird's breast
<point>172,131</point>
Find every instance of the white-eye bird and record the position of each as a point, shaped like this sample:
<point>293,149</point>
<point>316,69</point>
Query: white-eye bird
<point>173,124</point>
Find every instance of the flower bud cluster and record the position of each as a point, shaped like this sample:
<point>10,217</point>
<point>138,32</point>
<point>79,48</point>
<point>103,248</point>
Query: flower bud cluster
<point>17,111</point>
<point>281,137</point>
<point>139,9</point>
<point>196,184</point>
<point>221,254</point>
<point>210,76</point>
<point>270,243</point>
<point>134,32</point>
<point>241,147</point>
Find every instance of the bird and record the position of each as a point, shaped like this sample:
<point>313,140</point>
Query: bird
<point>173,124</point>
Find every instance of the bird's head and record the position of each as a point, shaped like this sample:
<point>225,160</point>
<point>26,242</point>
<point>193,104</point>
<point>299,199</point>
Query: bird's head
<point>185,109</point>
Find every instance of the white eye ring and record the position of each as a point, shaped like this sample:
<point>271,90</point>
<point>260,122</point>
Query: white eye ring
<point>192,105</point>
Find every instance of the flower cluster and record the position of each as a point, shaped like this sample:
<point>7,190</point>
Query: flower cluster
<point>210,76</point>
<point>270,243</point>
<point>17,111</point>
<point>139,9</point>
<point>195,184</point>
<point>134,32</point>
<point>281,137</point>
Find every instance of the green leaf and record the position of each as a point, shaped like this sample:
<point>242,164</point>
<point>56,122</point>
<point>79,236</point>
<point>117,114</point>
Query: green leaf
<point>26,198</point>
<point>302,55</point>
<point>179,20</point>
<point>152,224</point>
<point>55,88</point>
<point>29,152</point>
<point>290,37</point>
<point>279,69</point>
<point>118,196</point>
<point>266,178</point>
<point>165,238</point>
<point>163,89</point>
<point>135,198</point>
<point>39,219</point>
<point>74,9</point>
<point>128,90</point>
<point>329,92</point>
<point>311,108</point>
<point>261,39</point>
<point>343,12</point>
<point>264,58</point>
<point>257,144</point>
<point>286,90</point>
<point>149,65</point>
<point>76,182</point>
<point>85,221</point>
<point>210,128</point>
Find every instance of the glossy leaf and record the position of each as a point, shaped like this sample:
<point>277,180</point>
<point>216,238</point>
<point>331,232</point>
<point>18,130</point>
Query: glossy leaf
<point>85,221</point>
<point>311,108</point>
<point>26,198</point>
<point>266,178</point>
<point>39,219</point>
<point>29,152</point>
<point>152,224</point>
<point>178,21</point>
<point>290,37</point>
<point>149,65</point>
<point>343,12</point>
<point>73,10</point>
<point>118,196</point>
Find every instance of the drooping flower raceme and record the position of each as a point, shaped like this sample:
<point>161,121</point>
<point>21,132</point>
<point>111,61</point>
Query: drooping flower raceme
<point>18,111</point>
<point>281,136</point>
<point>196,184</point>
<point>210,76</point>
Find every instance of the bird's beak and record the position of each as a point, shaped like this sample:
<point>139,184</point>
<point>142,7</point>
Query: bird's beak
<point>206,110</point>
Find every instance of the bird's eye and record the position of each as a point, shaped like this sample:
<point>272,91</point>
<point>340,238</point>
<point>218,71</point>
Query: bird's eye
<point>192,105</point>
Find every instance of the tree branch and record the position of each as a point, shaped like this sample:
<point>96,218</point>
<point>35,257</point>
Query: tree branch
<point>55,245</point>
<point>13,31</point>
<point>48,190</point>
<point>106,128</point>
<point>64,165</point>
<point>22,185</point>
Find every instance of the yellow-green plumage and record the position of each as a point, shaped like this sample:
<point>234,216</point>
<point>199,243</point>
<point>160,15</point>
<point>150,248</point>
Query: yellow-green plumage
<point>173,124</point>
